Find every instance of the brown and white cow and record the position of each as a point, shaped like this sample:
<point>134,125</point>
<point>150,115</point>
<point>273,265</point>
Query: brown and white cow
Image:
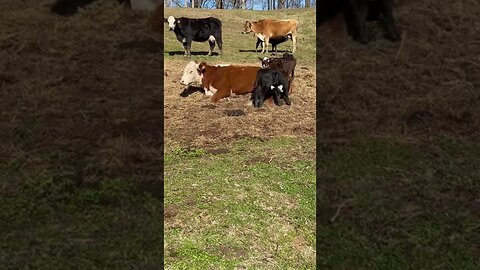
<point>221,81</point>
<point>267,29</point>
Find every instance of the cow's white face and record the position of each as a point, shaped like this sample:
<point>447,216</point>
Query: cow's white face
<point>265,62</point>
<point>171,22</point>
<point>190,74</point>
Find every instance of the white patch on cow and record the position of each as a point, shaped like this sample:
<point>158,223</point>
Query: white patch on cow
<point>184,40</point>
<point>280,88</point>
<point>171,22</point>
<point>208,93</point>
<point>265,59</point>
<point>222,65</point>
<point>213,89</point>
<point>211,38</point>
<point>260,36</point>
<point>272,87</point>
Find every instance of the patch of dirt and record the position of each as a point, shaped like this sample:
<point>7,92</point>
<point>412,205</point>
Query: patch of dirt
<point>171,211</point>
<point>232,252</point>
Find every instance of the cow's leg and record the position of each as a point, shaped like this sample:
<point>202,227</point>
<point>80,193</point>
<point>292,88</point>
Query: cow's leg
<point>387,21</point>
<point>185,47</point>
<point>290,86</point>
<point>360,13</point>
<point>287,99</point>
<point>276,97</point>
<point>221,93</point>
<point>285,94</point>
<point>257,96</point>
<point>265,45</point>
<point>219,41</point>
<point>211,41</point>
<point>258,43</point>
<point>294,42</point>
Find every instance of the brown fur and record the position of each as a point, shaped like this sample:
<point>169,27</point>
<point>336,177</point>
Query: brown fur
<point>238,80</point>
<point>273,28</point>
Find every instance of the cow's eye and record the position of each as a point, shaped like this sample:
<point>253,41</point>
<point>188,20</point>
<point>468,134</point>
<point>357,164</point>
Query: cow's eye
<point>191,71</point>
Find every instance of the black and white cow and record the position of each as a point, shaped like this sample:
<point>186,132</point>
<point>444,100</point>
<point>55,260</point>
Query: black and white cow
<point>199,30</point>
<point>274,42</point>
<point>270,83</point>
<point>357,13</point>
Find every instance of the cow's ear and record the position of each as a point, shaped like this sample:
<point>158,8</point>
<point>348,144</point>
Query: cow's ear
<point>201,70</point>
<point>260,58</point>
<point>165,20</point>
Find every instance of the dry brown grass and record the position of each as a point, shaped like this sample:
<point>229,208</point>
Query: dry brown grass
<point>79,95</point>
<point>426,86</point>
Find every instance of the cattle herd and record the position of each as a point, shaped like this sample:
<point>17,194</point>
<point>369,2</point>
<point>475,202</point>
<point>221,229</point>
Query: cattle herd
<point>273,79</point>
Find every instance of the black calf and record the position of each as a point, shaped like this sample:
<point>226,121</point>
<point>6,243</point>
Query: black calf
<point>270,83</point>
<point>274,42</point>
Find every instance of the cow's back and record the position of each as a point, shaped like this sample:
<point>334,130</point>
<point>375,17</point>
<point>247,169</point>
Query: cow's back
<point>200,29</point>
<point>237,79</point>
<point>279,28</point>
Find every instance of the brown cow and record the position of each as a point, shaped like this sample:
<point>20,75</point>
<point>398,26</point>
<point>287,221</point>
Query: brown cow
<point>223,81</point>
<point>267,29</point>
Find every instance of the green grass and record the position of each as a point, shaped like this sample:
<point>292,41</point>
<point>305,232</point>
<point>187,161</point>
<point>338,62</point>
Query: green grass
<point>407,206</point>
<point>253,207</point>
<point>57,225</point>
<point>234,40</point>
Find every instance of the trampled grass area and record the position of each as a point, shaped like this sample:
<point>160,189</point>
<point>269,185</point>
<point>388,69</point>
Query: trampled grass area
<point>238,47</point>
<point>248,207</point>
<point>385,204</point>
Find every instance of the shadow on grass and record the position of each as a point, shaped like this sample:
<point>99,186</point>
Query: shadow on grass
<point>190,90</point>
<point>192,53</point>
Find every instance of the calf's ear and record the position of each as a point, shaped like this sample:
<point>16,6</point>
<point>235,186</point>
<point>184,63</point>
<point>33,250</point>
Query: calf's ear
<point>165,20</point>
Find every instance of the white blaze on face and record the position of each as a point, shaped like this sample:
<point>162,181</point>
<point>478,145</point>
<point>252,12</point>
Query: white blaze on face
<point>190,74</point>
<point>171,22</point>
<point>265,62</point>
